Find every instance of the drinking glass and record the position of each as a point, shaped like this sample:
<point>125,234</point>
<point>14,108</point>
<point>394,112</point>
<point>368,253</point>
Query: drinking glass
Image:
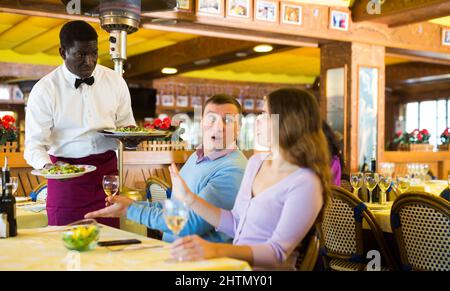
<point>384,183</point>
<point>356,180</point>
<point>175,215</point>
<point>15,184</point>
<point>111,184</point>
<point>403,183</point>
<point>371,180</point>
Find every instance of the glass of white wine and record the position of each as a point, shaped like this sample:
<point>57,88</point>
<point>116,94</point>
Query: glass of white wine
<point>371,180</point>
<point>384,183</point>
<point>403,183</point>
<point>176,215</point>
<point>356,180</point>
<point>111,184</point>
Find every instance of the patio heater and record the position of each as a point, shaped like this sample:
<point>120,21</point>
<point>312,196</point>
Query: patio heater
<point>119,18</point>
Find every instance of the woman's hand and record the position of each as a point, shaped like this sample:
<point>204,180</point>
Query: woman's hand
<point>179,188</point>
<point>193,248</point>
<point>116,207</point>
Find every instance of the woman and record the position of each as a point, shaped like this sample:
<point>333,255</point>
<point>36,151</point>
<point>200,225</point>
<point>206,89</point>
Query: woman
<point>335,153</point>
<point>281,195</point>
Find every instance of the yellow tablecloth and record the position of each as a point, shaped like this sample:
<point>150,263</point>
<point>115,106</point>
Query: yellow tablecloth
<point>36,249</point>
<point>28,219</point>
<point>434,187</point>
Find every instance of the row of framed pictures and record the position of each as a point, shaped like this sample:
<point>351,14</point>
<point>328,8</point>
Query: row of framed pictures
<point>263,10</point>
<point>182,101</point>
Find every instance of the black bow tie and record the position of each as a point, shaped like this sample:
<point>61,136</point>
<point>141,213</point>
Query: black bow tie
<point>89,81</point>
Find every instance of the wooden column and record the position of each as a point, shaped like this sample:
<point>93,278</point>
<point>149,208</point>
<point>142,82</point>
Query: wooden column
<point>351,57</point>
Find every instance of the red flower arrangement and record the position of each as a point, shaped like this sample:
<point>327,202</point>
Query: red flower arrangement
<point>164,124</point>
<point>7,129</point>
<point>445,136</point>
<point>415,137</point>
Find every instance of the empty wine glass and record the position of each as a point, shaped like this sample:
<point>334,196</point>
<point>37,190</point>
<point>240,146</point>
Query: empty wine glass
<point>371,180</point>
<point>356,180</point>
<point>384,183</point>
<point>15,184</point>
<point>387,168</point>
<point>175,215</point>
<point>111,184</point>
<point>403,183</point>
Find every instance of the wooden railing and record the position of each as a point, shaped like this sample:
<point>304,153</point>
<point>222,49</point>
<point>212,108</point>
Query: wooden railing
<point>439,162</point>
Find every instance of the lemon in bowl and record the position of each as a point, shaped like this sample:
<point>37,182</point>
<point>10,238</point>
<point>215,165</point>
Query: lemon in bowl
<point>81,237</point>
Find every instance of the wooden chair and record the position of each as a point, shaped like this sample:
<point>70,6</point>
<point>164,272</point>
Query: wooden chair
<point>157,189</point>
<point>308,252</point>
<point>421,227</point>
<point>341,234</point>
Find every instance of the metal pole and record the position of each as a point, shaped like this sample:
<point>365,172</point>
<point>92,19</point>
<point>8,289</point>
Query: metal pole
<point>118,51</point>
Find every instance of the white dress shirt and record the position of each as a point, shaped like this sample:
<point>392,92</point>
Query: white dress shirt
<point>64,122</point>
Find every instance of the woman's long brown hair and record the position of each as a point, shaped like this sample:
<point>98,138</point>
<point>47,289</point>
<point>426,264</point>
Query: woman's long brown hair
<point>301,138</point>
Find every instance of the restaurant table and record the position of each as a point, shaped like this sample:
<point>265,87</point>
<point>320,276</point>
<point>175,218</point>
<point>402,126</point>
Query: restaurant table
<point>383,214</point>
<point>43,249</point>
<point>31,216</point>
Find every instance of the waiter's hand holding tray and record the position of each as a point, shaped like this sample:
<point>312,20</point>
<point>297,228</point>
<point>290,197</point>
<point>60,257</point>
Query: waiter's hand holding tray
<point>60,171</point>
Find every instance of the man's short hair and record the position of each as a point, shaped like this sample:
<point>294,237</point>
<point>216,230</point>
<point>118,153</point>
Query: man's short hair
<point>77,30</point>
<point>221,99</point>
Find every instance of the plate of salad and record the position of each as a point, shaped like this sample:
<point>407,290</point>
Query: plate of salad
<point>64,171</point>
<point>135,131</point>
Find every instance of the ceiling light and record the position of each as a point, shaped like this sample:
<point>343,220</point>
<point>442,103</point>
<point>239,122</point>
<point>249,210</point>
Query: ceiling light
<point>169,71</point>
<point>263,48</point>
<point>241,55</point>
<point>202,62</point>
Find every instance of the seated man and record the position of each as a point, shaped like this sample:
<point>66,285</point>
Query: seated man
<point>214,171</point>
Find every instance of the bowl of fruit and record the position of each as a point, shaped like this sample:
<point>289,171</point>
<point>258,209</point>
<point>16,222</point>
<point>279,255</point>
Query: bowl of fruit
<point>82,235</point>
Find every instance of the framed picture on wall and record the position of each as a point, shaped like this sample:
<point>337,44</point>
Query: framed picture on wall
<point>196,101</point>
<point>249,104</point>
<point>167,100</point>
<point>239,8</point>
<point>266,10</point>
<point>182,101</point>
<point>184,5</point>
<point>259,104</point>
<point>210,7</point>
<point>291,13</point>
<point>339,20</point>
<point>446,36</point>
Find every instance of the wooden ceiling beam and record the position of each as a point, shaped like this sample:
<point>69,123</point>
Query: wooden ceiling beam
<point>414,71</point>
<point>183,55</point>
<point>400,12</point>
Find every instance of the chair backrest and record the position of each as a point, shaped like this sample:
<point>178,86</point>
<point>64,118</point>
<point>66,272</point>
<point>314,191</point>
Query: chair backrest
<point>39,193</point>
<point>308,252</point>
<point>341,229</point>
<point>421,226</point>
<point>157,190</point>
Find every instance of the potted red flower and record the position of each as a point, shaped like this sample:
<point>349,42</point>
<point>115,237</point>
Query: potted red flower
<point>445,139</point>
<point>8,132</point>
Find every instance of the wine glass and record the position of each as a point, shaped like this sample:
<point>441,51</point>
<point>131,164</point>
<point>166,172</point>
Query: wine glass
<point>356,180</point>
<point>384,183</point>
<point>175,215</point>
<point>403,183</point>
<point>371,180</point>
<point>110,184</point>
<point>15,184</point>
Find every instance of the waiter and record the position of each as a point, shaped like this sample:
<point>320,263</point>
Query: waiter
<point>65,111</point>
